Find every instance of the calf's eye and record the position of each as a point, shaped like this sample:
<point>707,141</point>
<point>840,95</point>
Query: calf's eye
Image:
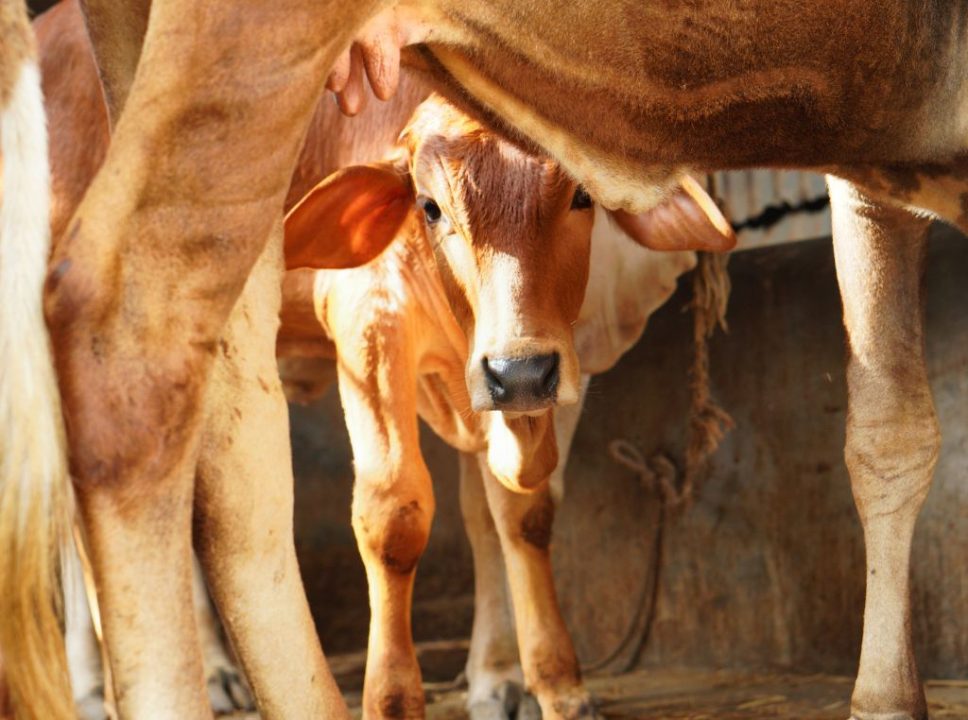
<point>581,199</point>
<point>430,208</point>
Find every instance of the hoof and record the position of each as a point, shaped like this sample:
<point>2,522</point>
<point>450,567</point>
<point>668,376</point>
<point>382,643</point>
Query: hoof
<point>91,707</point>
<point>529,709</point>
<point>228,692</point>
<point>490,709</point>
<point>887,716</point>
<point>509,701</point>
<point>576,707</point>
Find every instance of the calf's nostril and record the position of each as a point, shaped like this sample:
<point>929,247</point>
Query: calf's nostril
<point>549,380</point>
<point>492,375</point>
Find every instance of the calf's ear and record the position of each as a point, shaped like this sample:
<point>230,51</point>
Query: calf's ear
<point>348,219</point>
<point>687,220</point>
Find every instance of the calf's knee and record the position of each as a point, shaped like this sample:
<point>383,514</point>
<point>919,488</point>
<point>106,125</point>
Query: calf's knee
<point>392,528</point>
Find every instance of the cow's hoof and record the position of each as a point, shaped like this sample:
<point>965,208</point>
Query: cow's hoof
<point>490,709</point>
<point>228,692</point>
<point>576,707</point>
<point>91,707</point>
<point>529,709</point>
<point>887,716</point>
<point>508,701</point>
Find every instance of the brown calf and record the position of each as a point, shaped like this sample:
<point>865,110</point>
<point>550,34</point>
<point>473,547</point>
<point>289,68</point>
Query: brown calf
<point>872,92</point>
<point>467,320</point>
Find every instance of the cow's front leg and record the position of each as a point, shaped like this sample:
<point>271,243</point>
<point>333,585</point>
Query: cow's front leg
<point>494,673</point>
<point>393,505</point>
<point>548,657</point>
<point>892,433</point>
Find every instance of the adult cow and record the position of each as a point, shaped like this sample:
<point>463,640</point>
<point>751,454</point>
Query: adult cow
<point>621,94</point>
<point>512,202</point>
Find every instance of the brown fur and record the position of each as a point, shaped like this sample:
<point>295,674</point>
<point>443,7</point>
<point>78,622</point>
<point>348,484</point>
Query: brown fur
<point>117,32</point>
<point>154,649</point>
<point>536,524</point>
<point>874,92</point>
<point>667,85</point>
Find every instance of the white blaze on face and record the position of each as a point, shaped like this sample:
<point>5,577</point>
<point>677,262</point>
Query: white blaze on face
<point>508,324</point>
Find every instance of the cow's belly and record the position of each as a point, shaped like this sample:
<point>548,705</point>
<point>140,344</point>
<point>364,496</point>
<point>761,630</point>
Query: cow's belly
<point>617,91</point>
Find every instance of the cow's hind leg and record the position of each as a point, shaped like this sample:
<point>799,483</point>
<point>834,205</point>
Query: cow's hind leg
<point>141,286</point>
<point>244,508</point>
<point>548,658</point>
<point>892,433</point>
<point>227,689</point>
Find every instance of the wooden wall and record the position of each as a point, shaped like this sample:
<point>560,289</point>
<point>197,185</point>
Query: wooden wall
<point>767,568</point>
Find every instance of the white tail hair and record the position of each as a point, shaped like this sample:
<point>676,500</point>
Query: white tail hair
<point>35,493</point>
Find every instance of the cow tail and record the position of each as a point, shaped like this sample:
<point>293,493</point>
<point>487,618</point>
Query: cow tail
<point>35,492</point>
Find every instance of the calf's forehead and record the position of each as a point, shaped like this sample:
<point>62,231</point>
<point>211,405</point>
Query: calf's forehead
<point>494,188</point>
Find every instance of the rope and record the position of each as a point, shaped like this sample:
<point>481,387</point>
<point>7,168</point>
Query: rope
<point>657,476</point>
<point>708,422</point>
<point>773,214</point>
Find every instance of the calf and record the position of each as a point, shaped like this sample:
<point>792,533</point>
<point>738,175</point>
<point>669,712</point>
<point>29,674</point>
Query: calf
<point>467,320</point>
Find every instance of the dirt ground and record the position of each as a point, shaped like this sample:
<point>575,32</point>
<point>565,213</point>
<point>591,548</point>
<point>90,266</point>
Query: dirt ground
<point>665,694</point>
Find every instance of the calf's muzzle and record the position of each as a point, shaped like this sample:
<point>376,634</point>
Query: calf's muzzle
<point>522,384</point>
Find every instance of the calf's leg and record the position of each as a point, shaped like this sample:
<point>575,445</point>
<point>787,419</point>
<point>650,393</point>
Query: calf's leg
<point>566,423</point>
<point>493,667</point>
<point>548,658</point>
<point>892,433</point>
<point>393,505</point>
